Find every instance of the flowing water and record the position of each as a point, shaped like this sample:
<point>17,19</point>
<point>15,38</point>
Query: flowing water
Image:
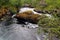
<point>16,32</point>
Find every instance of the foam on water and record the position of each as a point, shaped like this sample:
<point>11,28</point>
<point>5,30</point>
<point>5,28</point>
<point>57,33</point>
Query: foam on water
<point>25,9</point>
<point>30,25</point>
<point>32,9</point>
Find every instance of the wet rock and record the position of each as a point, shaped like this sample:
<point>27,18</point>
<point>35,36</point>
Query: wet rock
<point>28,16</point>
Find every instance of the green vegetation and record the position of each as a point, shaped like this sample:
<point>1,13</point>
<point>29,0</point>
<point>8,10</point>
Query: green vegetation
<point>50,25</point>
<point>49,22</point>
<point>53,3</point>
<point>39,4</point>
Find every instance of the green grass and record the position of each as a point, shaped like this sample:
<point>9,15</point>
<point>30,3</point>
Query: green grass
<point>51,4</point>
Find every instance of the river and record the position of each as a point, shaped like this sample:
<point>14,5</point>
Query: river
<point>17,32</point>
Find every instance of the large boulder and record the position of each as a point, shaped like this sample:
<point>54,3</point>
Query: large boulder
<point>28,16</point>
